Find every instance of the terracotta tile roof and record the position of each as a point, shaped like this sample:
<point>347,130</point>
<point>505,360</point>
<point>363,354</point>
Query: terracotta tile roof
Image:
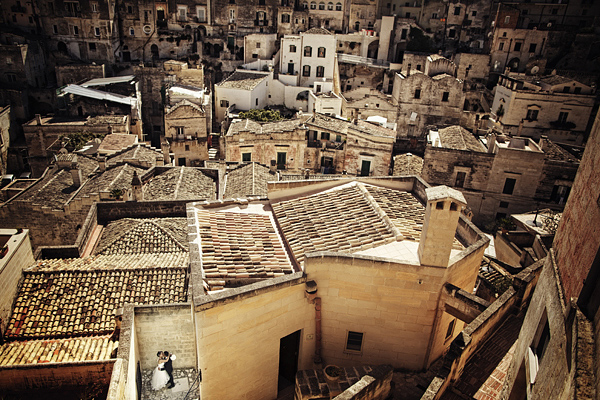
<point>458,138</point>
<point>557,153</point>
<point>326,122</point>
<point>317,31</point>
<point>181,183</point>
<point>56,186</point>
<point>140,152</point>
<point>372,129</point>
<point>407,164</point>
<point>405,211</point>
<point>132,236</point>
<point>91,348</point>
<point>118,177</point>
<point>342,219</point>
<point>116,142</point>
<point>248,125</point>
<point>243,80</point>
<point>237,247</point>
<point>113,262</point>
<point>75,303</point>
<point>248,180</point>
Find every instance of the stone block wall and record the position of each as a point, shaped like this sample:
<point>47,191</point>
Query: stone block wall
<point>239,332</point>
<point>46,376</point>
<point>109,211</point>
<point>375,386</point>
<point>165,327</point>
<point>19,257</point>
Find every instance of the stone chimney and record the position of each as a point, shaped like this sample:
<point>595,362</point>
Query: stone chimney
<point>136,188</point>
<point>76,173</point>
<point>102,163</point>
<point>544,143</point>
<point>166,148</point>
<point>491,143</point>
<point>444,205</point>
<point>160,161</point>
<point>273,167</point>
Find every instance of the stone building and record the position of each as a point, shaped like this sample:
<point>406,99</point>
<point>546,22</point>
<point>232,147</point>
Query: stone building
<point>521,50</point>
<point>560,331</point>
<point>43,135</point>
<point>431,97</point>
<point>186,128</point>
<point>6,127</point>
<point>315,143</point>
<point>259,46</point>
<point>510,176</point>
<point>24,65</point>
<point>363,103</point>
<point>243,90</point>
<point>553,105</point>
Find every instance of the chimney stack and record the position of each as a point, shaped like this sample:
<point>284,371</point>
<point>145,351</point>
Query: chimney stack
<point>444,205</point>
<point>76,172</point>
<point>102,163</point>
<point>136,188</point>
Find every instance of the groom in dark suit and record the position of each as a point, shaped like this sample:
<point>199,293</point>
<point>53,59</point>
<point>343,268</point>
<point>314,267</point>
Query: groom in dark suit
<point>169,369</point>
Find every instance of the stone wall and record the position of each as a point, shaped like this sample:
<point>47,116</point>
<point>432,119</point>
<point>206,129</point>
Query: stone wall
<point>165,327</point>
<point>19,257</point>
<point>375,386</point>
<point>238,335</point>
<point>109,211</point>
<point>56,375</point>
<point>66,74</point>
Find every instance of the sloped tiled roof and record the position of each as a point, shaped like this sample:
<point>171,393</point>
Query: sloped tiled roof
<point>243,80</point>
<point>118,177</point>
<point>405,211</point>
<point>336,220</point>
<point>132,236</point>
<point>91,348</point>
<point>317,31</point>
<point>458,138</point>
<point>74,303</point>
<point>407,164</point>
<point>56,187</point>
<point>248,180</point>
<point>248,125</point>
<point>140,152</point>
<point>239,246</point>
<point>113,262</point>
<point>116,142</point>
<point>181,183</point>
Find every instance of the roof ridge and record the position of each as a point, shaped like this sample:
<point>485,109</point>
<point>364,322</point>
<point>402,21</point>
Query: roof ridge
<point>168,233</point>
<point>139,221</point>
<point>377,208</point>
<point>178,185</point>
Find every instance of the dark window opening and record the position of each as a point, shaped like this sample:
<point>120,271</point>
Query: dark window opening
<point>354,341</point>
<point>509,186</point>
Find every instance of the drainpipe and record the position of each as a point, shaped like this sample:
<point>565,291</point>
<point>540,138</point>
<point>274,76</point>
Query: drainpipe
<point>311,295</point>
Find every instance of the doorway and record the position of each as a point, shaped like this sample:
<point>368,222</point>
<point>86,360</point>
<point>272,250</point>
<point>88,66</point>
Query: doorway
<point>365,169</point>
<point>291,68</point>
<point>289,348</point>
<point>181,162</point>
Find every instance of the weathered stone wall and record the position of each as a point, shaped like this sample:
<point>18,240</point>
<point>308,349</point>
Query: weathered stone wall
<point>441,165</point>
<point>53,376</point>
<point>238,334</point>
<point>5,130</point>
<point>155,331</point>
<point>18,258</point>
<point>472,66</point>
<point>66,74</point>
<point>109,211</point>
<point>375,386</point>
<point>555,173</point>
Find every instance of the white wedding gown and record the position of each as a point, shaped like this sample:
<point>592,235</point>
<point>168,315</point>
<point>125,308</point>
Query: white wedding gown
<point>159,378</point>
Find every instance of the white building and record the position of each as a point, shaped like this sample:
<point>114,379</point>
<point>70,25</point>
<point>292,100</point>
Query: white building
<point>243,90</point>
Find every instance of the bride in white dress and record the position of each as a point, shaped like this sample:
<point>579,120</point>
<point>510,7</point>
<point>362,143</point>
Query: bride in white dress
<point>160,377</point>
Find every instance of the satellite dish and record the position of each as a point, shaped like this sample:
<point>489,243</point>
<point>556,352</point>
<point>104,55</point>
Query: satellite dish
<point>535,69</point>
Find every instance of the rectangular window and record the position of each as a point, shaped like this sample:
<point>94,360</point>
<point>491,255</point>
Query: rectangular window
<point>577,90</point>
<point>532,115</point>
<point>55,29</point>
<point>532,47</point>
<point>130,9</point>
<point>507,19</point>
<point>509,186</point>
<point>224,103</point>
<point>307,51</point>
<point>201,14</point>
<point>354,341</point>
<point>321,52</point>
<point>501,46</point>
<point>324,135</point>
<point>94,7</point>
<point>518,46</point>
<point>338,138</point>
<point>256,101</point>
<point>473,13</point>
<point>460,179</point>
<point>258,45</point>
<point>456,10</point>
<point>562,117</point>
<point>445,96</point>
<point>179,130</point>
<point>434,16</point>
<point>246,157</point>
<point>292,48</point>
<point>306,70</point>
<point>182,13</point>
<point>566,89</point>
<point>503,204</point>
<point>187,147</point>
<point>451,33</point>
<point>92,46</point>
<point>320,72</point>
<point>97,31</point>
<point>132,31</point>
<point>404,34</point>
<point>417,93</point>
<point>75,30</point>
<point>281,160</point>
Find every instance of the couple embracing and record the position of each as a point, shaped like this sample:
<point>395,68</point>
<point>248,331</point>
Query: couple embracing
<point>163,373</point>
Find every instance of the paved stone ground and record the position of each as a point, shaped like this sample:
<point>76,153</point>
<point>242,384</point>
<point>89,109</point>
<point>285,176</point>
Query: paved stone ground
<point>184,380</point>
<point>412,385</point>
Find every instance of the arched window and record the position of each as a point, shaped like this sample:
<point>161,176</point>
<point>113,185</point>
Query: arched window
<point>313,5</point>
<point>320,72</point>
<point>338,7</point>
<point>330,6</point>
<point>321,6</point>
<point>321,52</point>
<point>305,5</point>
<point>307,51</point>
<point>306,70</point>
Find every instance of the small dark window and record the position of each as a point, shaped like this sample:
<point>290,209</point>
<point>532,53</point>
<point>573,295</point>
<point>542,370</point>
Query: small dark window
<point>224,103</point>
<point>324,135</point>
<point>404,34</point>
<point>92,46</point>
<point>532,47</point>
<point>456,10</point>
<point>577,90</point>
<point>187,147</point>
<point>445,96</point>
<point>321,52</point>
<point>532,115</point>
<point>320,72</point>
<point>306,70</point>
<point>504,204</point>
<point>460,179</point>
<point>451,33</point>
<point>450,329</point>
<point>292,48</point>
<point>417,93</point>
<point>439,205</point>
<point>453,206</point>
<point>518,46</point>
<point>566,89</point>
<point>246,157</point>
<point>354,341</point>
<point>509,186</point>
<point>307,51</point>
